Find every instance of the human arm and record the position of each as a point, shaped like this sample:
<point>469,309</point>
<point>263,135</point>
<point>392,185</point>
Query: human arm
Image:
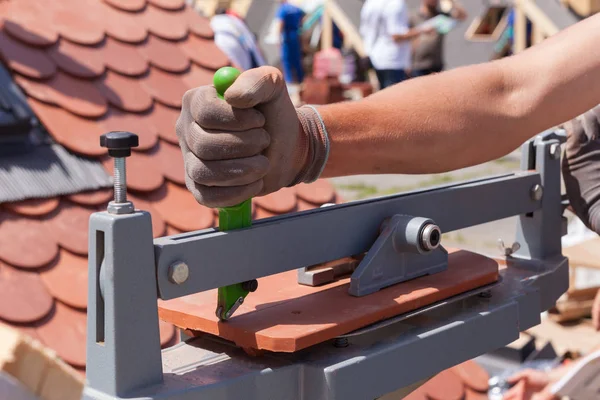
<point>254,143</point>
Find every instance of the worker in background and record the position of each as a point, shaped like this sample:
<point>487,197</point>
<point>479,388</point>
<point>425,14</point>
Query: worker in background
<point>290,21</point>
<point>384,27</point>
<point>428,50</point>
<point>256,142</point>
<point>233,38</point>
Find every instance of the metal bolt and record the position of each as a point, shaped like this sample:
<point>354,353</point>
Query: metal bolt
<point>179,272</point>
<point>537,192</point>
<point>431,236</point>
<point>341,342</point>
<point>555,151</point>
<point>486,294</point>
<point>119,146</point>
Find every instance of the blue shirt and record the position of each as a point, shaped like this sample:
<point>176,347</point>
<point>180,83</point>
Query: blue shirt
<point>291,18</point>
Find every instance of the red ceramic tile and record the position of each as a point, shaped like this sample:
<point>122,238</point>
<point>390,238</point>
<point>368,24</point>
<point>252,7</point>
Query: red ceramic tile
<point>127,5</point>
<point>471,394</point>
<point>164,119</point>
<point>197,24</point>
<point>78,96</point>
<point>197,76</point>
<point>30,61</point>
<point>164,54</point>
<point>78,60</point>
<point>23,296</point>
<point>165,88</point>
<point>28,330</point>
<point>472,375</point>
<point>173,231</point>
<point>33,207</point>
<point>418,394</point>
<point>261,213</point>
<point>123,58</point>
<point>164,24</point>
<point>280,202</point>
<point>69,226</point>
<point>25,242</point>
<point>167,332</point>
<point>66,279</point>
<point>143,174</point>
<point>124,92</point>
<point>64,331</point>
<point>168,4</point>
<point>203,52</point>
<point>304,205</point>
<point>121,25</point>
<point>319,192</point>
<point>444,386</point>
<point>25,21</point>
<point>179,208</point>
<point>159,227</point>
<point>92,198</point>
<point>117,120</point>
<point>171,162</point>
<point>75,21</point>
<point>80,135</point>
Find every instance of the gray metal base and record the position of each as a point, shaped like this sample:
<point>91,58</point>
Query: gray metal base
<point>386,359</point>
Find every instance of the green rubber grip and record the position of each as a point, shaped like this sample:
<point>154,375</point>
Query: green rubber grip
<point>224,78</point>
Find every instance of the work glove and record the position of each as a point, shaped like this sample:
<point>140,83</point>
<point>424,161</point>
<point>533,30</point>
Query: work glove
<point>253,143</point>
<point>581,167</point>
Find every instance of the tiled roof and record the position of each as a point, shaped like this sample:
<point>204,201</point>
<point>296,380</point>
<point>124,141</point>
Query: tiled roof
<point>466,381</point>
<point>87,67</point>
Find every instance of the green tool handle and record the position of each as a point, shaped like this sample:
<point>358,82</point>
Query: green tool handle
<point>239,216</point>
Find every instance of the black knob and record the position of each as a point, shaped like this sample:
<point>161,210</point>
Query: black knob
<point>250,286</point>
<point>119,143</point>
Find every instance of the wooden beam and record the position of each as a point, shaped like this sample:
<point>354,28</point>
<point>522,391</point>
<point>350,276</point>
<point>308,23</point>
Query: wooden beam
<point>327,32</point>
<point>538,17</point>
<point>520,28</point>
<point>351,34</point>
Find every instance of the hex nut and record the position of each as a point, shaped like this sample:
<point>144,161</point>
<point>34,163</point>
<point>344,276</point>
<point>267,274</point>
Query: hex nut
<point>179,272</point>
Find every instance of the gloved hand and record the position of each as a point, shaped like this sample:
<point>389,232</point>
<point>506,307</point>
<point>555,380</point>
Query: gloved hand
<point>252,144</point>
<point>581,167</point>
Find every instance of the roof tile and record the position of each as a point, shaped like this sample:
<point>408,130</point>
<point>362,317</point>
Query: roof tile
<point>159,226</point>
<point>116,120</point>
<point>143,174</point>
<point>318,192</point>
<point>30,61</point>
<point>74,21</point>
<point>33,207</point>
<point>164,24</point>
<point>124,93</point>
<point>171,162</point>
<point>127,5</point>
<point>77,96</point>
<point>26,21</point>
<point>197,24</point>
<point>80,135</point>
<point>190,215</point>
<point>25,242</point>
<point>166,88</point>
<point>80,61</point>
<point>64,331</point>
<point>69,225</point>
<point>168,4</point>
<point>93,198</point>
<point>23,296</point>
<point>444,386</point>
<point>123,58</point>
<point>473,375</point>
<point>164,119</point>
<point>164,55</point>
<point>197,48</point>
<point>66,279</point>
<point>280,202</point>
<point>197,76</point>
<point>121,26</point>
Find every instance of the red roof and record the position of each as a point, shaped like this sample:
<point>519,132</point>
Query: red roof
<point>88,67</point>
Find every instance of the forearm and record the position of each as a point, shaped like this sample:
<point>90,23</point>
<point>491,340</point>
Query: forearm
<point>409,35</point>
<point>470,115</point>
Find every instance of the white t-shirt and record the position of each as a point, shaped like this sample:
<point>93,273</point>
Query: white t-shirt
<point>379,20</point>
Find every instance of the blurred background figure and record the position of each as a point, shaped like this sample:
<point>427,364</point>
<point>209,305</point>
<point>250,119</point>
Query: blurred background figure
<point>234,39</point>
<point>290,22</point>
<point>385,29</point>
<point>428,50</point>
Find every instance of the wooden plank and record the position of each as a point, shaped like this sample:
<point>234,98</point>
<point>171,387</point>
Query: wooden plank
<point>520,28</point>
<point>585,254</point>
<point>286,317</point>
<point>327,33</point>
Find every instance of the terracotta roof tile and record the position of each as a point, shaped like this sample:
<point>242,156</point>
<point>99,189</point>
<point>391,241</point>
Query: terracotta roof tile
<point>123,58</point>
<point>171,162</point>
<point>196,49</point>
<point>93,198</point>
<point>444,386</point>
<point>418,394</point>
<point>25,242</point>
<point>164,119</point>
<point>318,192</point>
<point>168,4</point>
<point>27,21</point>
<point>120,26</point>
<point>74,21</point>
<point>167,332</point>
<point>26,60</point>
<point>473,375</point>
<point>66,279</point>
<point>78,60</point>
<point>124,93</point>
<point>33,207</point>
<point>159,226</point>
<point>471,394</point>
<point>197,76</point>
<point>280,202</point>
<point>166,88</point>
<point>75,95</point>
<point>143,174</point>
<point>68,226</point>
<point>63,330</point>
<point>190,216</point>
<point>80,135</point>
<point>127,5</point>
<point>197,24</point>
<point>164,55</point>
<point>164,24</point>
<point>23,296</point>
<point>116,120</point>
